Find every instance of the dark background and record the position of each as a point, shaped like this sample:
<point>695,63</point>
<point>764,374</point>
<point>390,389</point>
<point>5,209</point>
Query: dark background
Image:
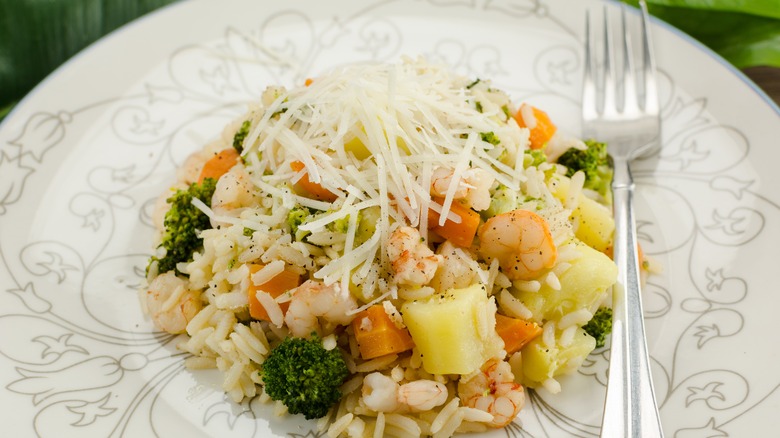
<point>36,36</point>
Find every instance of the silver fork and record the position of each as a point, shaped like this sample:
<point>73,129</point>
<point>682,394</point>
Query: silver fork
<point>628,120</point>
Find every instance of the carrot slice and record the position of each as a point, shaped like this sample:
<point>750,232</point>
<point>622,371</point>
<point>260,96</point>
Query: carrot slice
<point>306,187</point>
<point>515,332</point>
<point>276,286</point>
<point>377,335</point>
<point>461,234</point>
<point>219,164</point>
<point>543,128</point>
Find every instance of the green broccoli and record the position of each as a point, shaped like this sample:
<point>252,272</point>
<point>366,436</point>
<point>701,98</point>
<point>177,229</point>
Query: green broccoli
<point>295,218</point>
<point>534,157</point>
<point>304,376</point>
<point>238,139</point>
<point>594,161</point>
<point>600,325</point>
<point>490,137</point>
<point>182,223</point>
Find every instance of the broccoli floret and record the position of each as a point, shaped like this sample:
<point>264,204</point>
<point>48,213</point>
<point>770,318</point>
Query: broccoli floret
<point>534,157</point>
<point>503,200</point>
<point>238,139</point>
<point>600,325</point>
<point>182,223</point>
<point>594,161</point>
<point>295,218</point>
<point>304,376</point>
<point>490,137</point>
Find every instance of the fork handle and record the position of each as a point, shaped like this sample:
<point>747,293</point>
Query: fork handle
<point>630,409</point>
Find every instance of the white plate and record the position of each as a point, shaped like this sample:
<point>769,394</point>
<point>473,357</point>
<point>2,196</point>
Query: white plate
<point>83,157</point>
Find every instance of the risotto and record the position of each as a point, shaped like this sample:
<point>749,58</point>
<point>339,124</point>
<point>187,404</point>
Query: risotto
<point>446,245</point>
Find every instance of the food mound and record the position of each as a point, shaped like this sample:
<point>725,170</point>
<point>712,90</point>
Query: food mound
<point>391,248</point>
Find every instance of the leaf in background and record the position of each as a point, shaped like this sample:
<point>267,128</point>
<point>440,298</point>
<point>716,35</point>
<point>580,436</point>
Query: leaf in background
<point>746,38</point>
<point>37,36</point>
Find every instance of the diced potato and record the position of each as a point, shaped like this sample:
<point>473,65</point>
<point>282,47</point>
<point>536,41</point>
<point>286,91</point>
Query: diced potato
<point>541,362</point>
<point>583,286</point>
<point>596,224</point>
<point>454,331</point>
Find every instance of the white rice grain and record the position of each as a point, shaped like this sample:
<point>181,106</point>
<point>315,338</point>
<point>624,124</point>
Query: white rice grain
<point>578,317</point>
<point>340,425</point>
<point>512,306</point>
<point>271,307</point>
<point>232,375</point>
<point>376,364</point>
<point>379,427</point>
<point>173,299</point>
<point>444,415</point>
<point>548,334</point>
<point>527,286</point>
<point>478,415</point>
<point>267,272</point>
<point>567,336</point>
<point>552,386</point>
<point>245,349</point>
<point>200,320</point>
<point>200,363</point>
<point>552,280</point>
<point>231,300</point>
<point>449,427</point>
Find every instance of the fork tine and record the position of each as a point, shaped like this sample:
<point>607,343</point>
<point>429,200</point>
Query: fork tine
<point>630,102</point>
<point>608,82</point>
<point>650,86</point>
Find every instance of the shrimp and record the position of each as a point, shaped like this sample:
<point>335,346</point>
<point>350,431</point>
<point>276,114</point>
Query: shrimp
<point>170,303</point>
<point>494,391</point>
<point>521,242</point>
<point>313,300</point>
<point>455,271</point>
<point>413,263</point>
<point>383,394</point>
<point>473,186</point>
<point>234,190</point>
<point>422,395</point>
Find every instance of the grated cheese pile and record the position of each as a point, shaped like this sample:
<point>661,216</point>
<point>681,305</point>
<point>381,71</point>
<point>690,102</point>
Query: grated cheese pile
<point>374,135</point>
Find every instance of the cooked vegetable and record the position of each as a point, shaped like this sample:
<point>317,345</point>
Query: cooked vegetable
<point>304,376</point>
<point>454,316</point>
<point>238,138</point>
<point>600,325</point>
<point>583,285</point>
<point>515,332</point>
<point>594,161</point>
<point>595,222</point>
<point>295,218</point>
<point>306,187</point>
<point>539,124</point>
<point>219,164</point>
<point>460,234</point>
<point>377,335</point>
<point>541,362</point>
<point>281,283</point>
<point>182,224</point>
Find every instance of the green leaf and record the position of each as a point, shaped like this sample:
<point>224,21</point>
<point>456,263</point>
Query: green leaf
<point>37,36</point>
<point>745,32</point>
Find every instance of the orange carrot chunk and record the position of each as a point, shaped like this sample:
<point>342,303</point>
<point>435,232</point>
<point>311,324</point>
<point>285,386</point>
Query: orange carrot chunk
<point>377,335</point>
<point>515,332</point>
<point>219,164</point>
<point>541,127</point>
<point>276,286</point>
<point>307,188</point>
<point>460,234</point>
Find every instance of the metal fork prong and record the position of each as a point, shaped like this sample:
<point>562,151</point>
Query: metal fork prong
<point>650,87</point>
<point>630,101</point>
<point>589,111</point>
<point>607,85</point>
